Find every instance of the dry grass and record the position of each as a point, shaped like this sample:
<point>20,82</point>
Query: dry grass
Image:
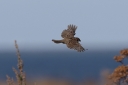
<point>120,74</point>
<point>20,75</point>
<point>10,81</point>
<point>124,52</point>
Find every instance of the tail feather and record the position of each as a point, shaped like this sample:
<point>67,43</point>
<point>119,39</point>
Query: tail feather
<point>57,41</point>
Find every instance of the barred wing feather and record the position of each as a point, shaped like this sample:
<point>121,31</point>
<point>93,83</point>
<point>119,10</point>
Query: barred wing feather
<point>69,32</point>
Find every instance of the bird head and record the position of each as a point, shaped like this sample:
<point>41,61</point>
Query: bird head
<point>78,39</point>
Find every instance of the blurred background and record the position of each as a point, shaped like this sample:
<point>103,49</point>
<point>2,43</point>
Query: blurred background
<point>102,28</point>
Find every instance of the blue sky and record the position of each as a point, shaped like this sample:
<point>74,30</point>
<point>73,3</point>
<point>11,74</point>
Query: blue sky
<point>34,23</point>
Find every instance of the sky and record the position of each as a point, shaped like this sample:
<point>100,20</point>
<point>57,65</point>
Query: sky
<point>102,24</point>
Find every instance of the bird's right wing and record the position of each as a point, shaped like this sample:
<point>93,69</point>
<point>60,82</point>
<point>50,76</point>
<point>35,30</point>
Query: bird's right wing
<point>69,32</point>
<point>75,45</point>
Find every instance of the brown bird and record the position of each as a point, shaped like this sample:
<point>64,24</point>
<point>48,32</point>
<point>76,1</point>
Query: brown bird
<point>69,39</point>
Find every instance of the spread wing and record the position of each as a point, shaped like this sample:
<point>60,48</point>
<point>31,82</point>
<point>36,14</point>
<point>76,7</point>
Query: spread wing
<point>69,32</point>
<point>75,45</point>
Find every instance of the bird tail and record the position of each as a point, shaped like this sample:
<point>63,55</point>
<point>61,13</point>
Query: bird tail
<point>57,41</point>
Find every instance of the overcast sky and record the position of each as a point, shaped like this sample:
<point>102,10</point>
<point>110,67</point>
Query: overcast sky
<point>34,23</point>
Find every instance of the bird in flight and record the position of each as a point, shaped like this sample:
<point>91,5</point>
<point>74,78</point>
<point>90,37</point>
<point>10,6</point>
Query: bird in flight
<point>69,39</point>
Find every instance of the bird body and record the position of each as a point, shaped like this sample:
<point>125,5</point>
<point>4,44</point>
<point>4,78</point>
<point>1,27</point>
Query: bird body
<point>69,39</point>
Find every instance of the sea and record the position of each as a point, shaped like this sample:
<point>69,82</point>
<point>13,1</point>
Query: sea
<point>59,64</point>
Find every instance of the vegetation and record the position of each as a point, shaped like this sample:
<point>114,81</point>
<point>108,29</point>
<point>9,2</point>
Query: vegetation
<point>118,77</point>
<point>20,75</point>
<point>120,74</point>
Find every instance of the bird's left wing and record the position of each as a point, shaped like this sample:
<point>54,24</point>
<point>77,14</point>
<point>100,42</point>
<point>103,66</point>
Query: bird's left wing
<point>69,32</point>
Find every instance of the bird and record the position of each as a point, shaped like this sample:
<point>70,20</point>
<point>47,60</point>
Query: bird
<point>69,39</point>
